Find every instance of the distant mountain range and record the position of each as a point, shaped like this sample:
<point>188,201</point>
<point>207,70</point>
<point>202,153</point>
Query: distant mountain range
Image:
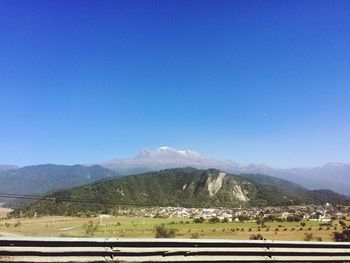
<point>188,187</point>
<point>7,167</point>
<point>334,176</point>
<point>41,179</point>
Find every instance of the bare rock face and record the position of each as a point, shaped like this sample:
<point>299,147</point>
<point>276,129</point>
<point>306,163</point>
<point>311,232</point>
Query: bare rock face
<point>239,193</point>
<point>215,184</point>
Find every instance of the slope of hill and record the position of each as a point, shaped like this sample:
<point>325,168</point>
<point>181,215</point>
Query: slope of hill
<point>299,192</point>
<point>335,176</point>
<point>184,187</point>
<point>41,179</point>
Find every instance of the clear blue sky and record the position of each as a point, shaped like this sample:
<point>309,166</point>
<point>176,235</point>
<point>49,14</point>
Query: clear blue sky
<point>252,81</point>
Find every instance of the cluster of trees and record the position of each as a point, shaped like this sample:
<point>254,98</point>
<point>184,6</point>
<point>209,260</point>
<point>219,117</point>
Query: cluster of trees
<point>294,218</point>
<point>260,220</point>
<point>272,218</point>
<point>213,220</point>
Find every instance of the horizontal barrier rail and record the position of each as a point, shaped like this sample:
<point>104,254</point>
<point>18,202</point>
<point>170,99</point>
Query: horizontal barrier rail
<point>25,249</point>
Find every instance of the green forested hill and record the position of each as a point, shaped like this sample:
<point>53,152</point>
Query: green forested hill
<point>298,192</point>
<point>183,187</point>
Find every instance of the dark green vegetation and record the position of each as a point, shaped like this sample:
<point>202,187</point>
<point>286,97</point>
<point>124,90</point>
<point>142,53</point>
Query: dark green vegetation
<point>299,194</point>
<point>41,179</point>
<point>343,236</point>
<point>163,232</point>
<point>180,187</point>
<point>256,237</point>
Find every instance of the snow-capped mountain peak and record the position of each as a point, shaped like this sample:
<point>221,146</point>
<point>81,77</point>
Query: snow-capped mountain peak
<point>161,158</point>
<point>167,152</point>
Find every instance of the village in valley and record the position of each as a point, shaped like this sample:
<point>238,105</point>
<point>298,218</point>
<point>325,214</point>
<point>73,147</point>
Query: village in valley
<point>325,213</point>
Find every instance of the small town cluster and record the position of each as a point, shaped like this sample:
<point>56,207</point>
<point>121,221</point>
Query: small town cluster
<point>325,213</point>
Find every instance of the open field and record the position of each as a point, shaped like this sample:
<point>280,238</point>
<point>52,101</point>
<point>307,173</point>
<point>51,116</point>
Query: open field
<point>144,227</point>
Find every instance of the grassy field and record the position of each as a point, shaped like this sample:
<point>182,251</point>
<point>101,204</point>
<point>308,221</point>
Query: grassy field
<point>144,227</point>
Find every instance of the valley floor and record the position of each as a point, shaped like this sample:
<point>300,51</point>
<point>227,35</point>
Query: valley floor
<point>145,227</point>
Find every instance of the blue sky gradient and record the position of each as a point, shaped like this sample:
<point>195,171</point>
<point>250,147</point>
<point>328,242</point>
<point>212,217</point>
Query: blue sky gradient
<point>251,81</point>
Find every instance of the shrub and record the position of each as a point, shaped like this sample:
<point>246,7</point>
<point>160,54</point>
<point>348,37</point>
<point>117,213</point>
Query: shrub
<point>163,232</point>
<point>91,228</point>
<point>308,236</point>
<point>256,237</point>
<point>342,223</point>
<point>214,220</point>
<point>342,237</point>
<point>199,220</point>
<point>195,235</point>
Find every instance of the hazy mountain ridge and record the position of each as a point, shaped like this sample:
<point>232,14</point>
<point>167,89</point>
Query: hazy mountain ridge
<point>334,176</point>
<point>6,167</point>
<point>40,179</point>
<point>161,158</point>
<point>184,187</point>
